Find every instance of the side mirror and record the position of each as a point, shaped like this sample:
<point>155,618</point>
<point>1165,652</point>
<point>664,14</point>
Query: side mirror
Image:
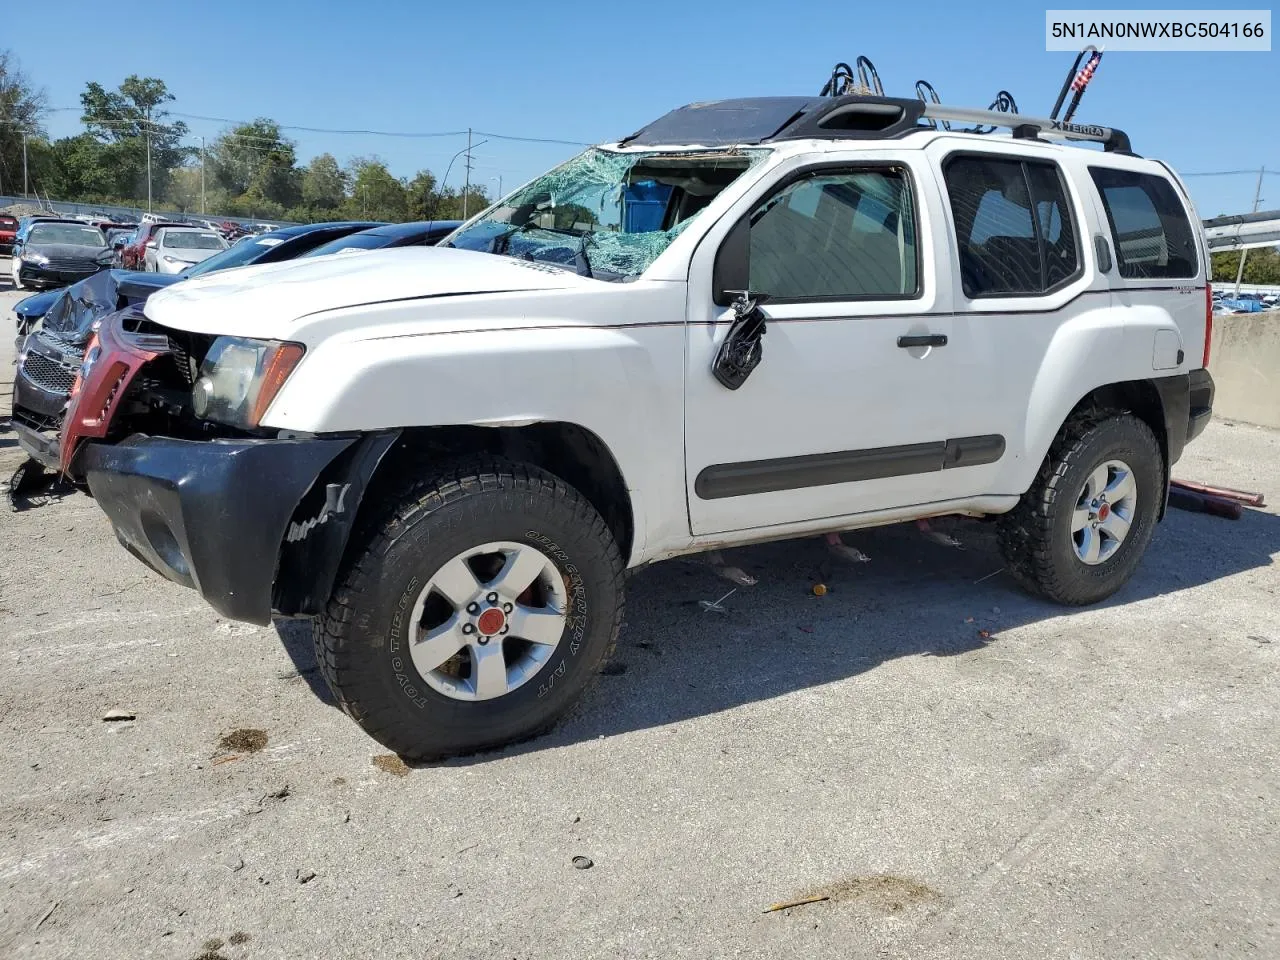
<point>742,349</point>
<point>151,244</point>
<point>732,270</point>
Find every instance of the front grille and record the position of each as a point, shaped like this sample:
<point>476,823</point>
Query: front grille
<point>49,374</point>
<point>34,421</point>
<point>72,265</point>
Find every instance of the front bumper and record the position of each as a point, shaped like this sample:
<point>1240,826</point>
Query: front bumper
<point>41,387</point>
<point>34,275</point>
<point>208,514</point>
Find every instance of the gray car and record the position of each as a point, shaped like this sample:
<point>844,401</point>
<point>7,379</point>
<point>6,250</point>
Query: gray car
<point>54,253</point>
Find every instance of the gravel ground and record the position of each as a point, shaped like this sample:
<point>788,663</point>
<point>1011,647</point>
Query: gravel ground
<point>961,770</point>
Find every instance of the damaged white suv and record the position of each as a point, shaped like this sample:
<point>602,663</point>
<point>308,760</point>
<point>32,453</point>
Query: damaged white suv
<point>752,319</point>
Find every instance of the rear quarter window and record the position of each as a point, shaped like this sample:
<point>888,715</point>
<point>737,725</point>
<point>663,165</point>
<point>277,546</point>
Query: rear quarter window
<point>1153,236</point>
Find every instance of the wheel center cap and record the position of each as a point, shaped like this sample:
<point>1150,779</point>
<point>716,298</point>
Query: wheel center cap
<point>491,621</point>
<point>1104,511</point>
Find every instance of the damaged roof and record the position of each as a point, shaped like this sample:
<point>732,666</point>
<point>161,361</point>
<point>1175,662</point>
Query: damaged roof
<point>748,120</point>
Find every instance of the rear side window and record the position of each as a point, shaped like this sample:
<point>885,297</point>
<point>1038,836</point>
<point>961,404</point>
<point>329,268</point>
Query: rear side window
<point>1153,237</point>
<point>1014,227</point>
<point>837,235</point>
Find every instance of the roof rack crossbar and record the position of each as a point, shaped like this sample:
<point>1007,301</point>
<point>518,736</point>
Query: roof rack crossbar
<point>1111,138</point>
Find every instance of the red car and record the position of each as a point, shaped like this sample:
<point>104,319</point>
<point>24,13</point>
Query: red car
<point>132,256</point>
<point>8,230</point>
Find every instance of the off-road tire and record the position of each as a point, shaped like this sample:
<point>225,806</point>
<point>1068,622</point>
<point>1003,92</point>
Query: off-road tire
<point>1035,537</point>
<point>417,528</point>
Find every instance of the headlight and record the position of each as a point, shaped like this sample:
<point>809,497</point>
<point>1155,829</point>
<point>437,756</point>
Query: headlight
<point>239,378</point>
<point>39,259</point>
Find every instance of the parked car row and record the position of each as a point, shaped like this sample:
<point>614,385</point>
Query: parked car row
<point>1244,303</point>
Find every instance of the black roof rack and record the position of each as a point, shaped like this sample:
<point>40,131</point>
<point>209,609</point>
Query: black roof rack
<point>852,117</point>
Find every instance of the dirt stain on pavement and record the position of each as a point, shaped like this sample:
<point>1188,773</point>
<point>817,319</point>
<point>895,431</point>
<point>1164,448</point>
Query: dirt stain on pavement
<point>883,893</point>
<point>244,740</point>
<point>390,763</point>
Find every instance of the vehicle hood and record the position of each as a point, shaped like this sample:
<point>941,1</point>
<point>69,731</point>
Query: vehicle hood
<point>70,312</point>
<point>78,250</point>
<point>266,300</point>
<point>190,256</point>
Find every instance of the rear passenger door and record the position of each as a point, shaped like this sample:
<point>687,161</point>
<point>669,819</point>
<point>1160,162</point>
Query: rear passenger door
<point>1025,291</point>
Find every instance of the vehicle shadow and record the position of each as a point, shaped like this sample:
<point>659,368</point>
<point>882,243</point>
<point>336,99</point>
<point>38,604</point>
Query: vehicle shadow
<point>676,660</point>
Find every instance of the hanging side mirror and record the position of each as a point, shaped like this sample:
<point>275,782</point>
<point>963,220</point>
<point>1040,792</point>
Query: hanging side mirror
<point>742,349</point>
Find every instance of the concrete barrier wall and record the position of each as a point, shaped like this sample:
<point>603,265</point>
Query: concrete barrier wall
<point>1245,363</point>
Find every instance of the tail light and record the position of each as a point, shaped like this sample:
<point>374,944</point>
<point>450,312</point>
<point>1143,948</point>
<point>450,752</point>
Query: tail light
<point>1208,323</point>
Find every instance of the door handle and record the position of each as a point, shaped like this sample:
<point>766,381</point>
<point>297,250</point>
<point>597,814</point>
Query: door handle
<point>925,340</point>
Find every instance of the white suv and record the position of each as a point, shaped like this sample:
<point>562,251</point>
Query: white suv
<point>751,320</point>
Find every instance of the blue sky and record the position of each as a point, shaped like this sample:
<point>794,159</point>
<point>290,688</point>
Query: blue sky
<point>593,71</point>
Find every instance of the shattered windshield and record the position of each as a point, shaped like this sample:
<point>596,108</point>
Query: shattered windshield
<point>607,214</point>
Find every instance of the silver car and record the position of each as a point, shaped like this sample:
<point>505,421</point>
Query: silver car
<point>173,249</point>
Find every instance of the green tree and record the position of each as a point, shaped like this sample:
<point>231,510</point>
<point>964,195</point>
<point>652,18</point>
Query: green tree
<point>21,109</point>
<point>1260,266</point>
<point>422,195</point>
<point>375,193</point>
<point>451,207</point>
<point>254,158</point>
<point>324,184</point>
<point>76,167</point>
<point>130,122</point>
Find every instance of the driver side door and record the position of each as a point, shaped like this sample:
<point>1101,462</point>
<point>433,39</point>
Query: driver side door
<point>852,408</point>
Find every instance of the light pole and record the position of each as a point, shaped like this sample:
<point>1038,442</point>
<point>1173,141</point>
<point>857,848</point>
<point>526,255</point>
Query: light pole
<point>1257,198</point>
<point>467,150</point>
<point>148,122</point>
<point>202,207</point>
<point>24,165</point>
<point>499,179</point>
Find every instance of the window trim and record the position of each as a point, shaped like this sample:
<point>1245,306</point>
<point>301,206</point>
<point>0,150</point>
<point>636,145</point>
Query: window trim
<point>1022,160</point>
<point>1197,266</point>
<point>850,166</point>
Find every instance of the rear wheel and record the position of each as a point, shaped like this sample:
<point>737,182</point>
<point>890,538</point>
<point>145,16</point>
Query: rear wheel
<point>474,610</point>
<point>1079,533</point>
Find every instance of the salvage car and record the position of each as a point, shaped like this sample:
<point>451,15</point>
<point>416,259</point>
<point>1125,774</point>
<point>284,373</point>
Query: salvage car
<point>424,233</point>
<point>132,256</point>
<point>8,231</point>
<point>177,248</point>
<point>845,315</point>
<point>49,357</point>
<point>53,253</point>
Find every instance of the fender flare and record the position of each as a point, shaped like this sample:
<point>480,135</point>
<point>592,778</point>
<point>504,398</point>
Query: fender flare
<point>315,539</point>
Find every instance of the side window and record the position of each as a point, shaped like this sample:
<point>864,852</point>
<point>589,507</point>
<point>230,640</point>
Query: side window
<point>1153,237</point>
<point>1014,227</point>
<point>848,235</point>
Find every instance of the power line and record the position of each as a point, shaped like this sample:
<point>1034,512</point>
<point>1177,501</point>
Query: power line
<point>409,134</point>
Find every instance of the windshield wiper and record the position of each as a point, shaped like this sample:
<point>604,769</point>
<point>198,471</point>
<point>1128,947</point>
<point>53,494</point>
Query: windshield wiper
<point>580,261</point>
<point>502,241</point>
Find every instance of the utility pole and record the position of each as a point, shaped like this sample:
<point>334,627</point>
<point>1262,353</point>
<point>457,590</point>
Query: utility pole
<point>24,164</point>
<point>1257,198</point>
<point>202,208</point>
<point>467,187</point>
<point>148,160</point>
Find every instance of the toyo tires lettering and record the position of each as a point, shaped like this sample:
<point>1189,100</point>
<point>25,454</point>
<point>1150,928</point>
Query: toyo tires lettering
<point>576,620</point>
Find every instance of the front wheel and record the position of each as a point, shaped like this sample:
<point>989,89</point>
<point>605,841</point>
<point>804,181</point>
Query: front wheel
<point>473,611</point>
<point>1079,533</point>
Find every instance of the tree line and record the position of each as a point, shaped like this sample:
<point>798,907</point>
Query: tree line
<point>250,170</point>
